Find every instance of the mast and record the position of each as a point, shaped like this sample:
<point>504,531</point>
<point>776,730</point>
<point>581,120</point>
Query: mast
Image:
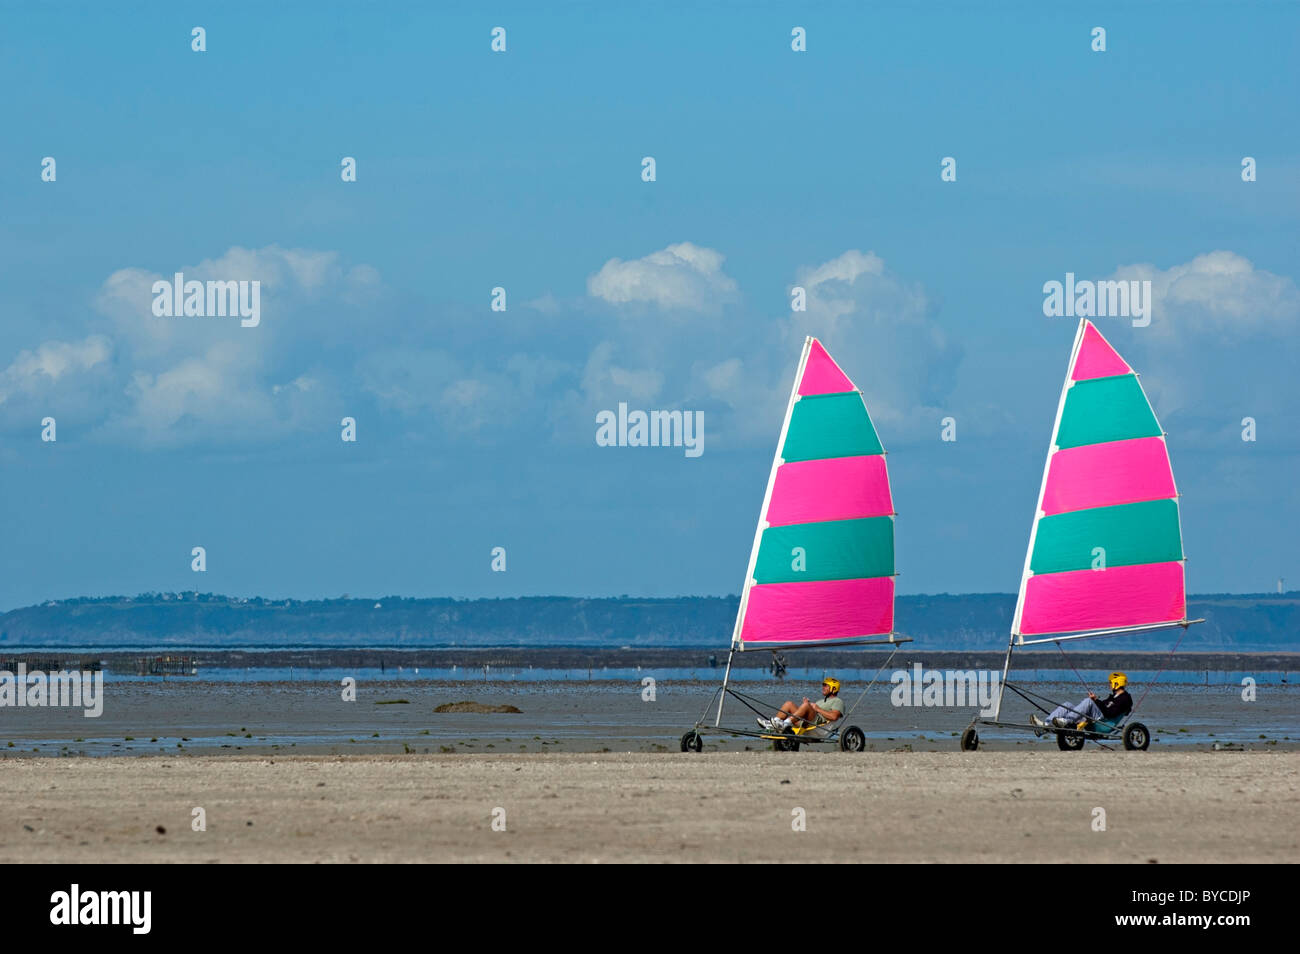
<point>762,523</point>
<point>1026,573</point>
<point>767,495</point>
<point>1042,488</point>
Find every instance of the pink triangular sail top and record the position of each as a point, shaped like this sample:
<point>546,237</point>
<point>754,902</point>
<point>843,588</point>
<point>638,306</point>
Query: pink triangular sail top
<point>821,375</point>
<point>1097,359</point>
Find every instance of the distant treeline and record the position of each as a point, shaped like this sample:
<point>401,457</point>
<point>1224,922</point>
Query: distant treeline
<point>979,621</point>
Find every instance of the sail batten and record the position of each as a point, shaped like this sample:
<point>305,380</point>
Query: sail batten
<point>821,571</point>
<point>1105,551</point>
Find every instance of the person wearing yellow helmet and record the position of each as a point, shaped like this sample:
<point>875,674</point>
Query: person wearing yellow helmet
<point>808,713</point>
<point>1115,706</point>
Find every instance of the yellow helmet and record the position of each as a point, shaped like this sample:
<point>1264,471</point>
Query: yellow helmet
<point>1118,680</point>
<point>832,682</point>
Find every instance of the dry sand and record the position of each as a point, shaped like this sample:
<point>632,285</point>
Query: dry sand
<point>1022,806</point>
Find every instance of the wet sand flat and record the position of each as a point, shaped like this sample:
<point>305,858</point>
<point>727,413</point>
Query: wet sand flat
<point>998,806</point>
<point>311,718</point>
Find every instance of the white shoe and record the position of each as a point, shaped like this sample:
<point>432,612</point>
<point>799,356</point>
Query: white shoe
<point>783,724</point>
<point>765,724</point>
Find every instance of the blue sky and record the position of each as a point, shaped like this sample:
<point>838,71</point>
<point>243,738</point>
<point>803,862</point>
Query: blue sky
<point>523,170</point>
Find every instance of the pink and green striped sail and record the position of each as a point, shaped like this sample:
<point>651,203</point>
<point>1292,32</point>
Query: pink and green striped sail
<point>822,567</point>
<point>1106,549</point>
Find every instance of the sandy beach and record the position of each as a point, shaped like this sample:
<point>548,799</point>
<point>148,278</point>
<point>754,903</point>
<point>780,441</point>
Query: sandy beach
<point>1009,806</point>
<point>591,772</point>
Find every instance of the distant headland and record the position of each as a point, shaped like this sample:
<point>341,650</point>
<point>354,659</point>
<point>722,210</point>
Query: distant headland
<point>1254,622</point>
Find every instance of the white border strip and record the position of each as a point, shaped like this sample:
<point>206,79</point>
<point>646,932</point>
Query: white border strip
<point>1042,490</point>
<point>777,461</point>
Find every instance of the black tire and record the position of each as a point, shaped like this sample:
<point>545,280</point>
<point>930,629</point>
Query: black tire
<point>1136,737</point>
<point>692,741</point>
<point>853,739</point>
<point>1069,741</point>
<point>785,745</point>
<point>970,739</point>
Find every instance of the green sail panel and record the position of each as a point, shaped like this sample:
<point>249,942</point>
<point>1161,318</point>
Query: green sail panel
<point>1130,534</point>
<point>830,425</point>
<point>833,550</point>
<point>1105,409</point>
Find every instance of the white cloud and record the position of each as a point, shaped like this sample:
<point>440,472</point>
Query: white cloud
<point>300,383</point>
<point>846,269</point>
<point>605,383</point>
<point>411,380</point>
<point>196,388</point>
<point>1219,292</point>
<point>681,276</point>
<point>463,398</point>
<point>856,284</point>
<point>213,394</point>
<point>126,298</point>
<point>547,304</point>
<point>33,372</point>
<point>1222,335</point>
<point>290,279</point>
<point>882,328</point>
<point>175,380</point>
<point>884,332</point>
<point>274,267</point>
<point>725,376</point>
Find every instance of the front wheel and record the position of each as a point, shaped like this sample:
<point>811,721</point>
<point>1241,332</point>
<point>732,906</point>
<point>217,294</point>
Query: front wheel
<point>785,745</point>
<point>1136,737</point>
<point>692,741</point>
<point>853,739</point>
<point>1069,741</point>
<point>970,739</point>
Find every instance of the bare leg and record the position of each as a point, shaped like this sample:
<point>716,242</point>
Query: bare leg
<point>801,714</point>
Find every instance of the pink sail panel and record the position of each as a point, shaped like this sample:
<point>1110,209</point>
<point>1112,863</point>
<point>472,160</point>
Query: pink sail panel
<point>1103,475</point>
<point>839,488</point>
<point>820,375</point>
<point>818,611</point>
<point>1082,600</point>
<point>1097,359</point>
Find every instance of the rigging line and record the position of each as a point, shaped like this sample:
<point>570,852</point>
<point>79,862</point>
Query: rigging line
<point>882,668</point>
<point>1068,660</point>
<point>1026,695</point>
<point>708,707</point>
<point>1161,672</point>
<point>746,702</point>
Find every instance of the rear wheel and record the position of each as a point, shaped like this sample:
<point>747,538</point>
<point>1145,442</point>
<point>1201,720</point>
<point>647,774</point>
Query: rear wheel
<point>970,739</point>
<point>1136,737</point>
<point>1069,741</point>
<point>853,739</point>
<point>692,741</point>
